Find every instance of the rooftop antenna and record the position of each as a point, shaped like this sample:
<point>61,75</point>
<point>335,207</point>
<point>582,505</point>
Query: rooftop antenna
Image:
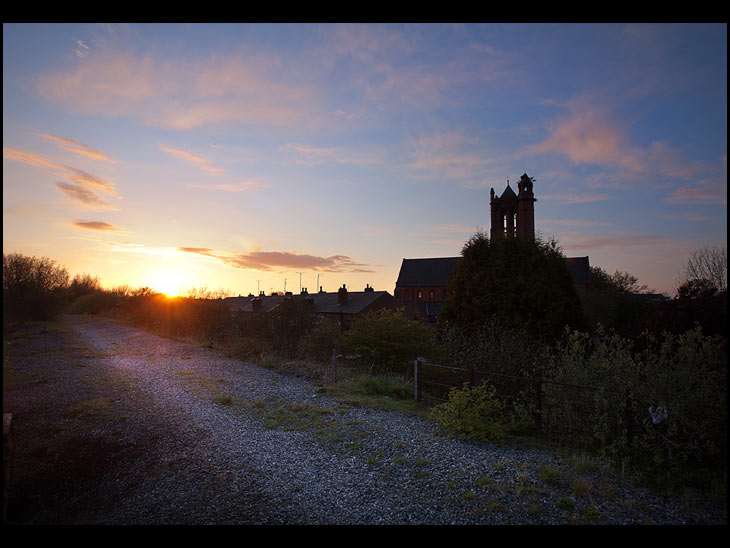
<point>300,281</point>
<point>284,285</point>
<point>317,281</point>
<point>258,287</point>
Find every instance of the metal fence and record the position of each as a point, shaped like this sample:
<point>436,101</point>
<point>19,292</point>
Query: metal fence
<point>550,401</point>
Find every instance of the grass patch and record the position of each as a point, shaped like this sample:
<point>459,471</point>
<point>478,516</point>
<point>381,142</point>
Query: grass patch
<point>549,475</point>
<point>97,408</point>
<point>581,487</point>
<point>564,503</point>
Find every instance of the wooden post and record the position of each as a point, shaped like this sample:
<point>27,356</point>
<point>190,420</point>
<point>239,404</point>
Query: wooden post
<point>629,420</point>
<point>417,380</point>
<point>538,399</point>
<point>334,364</point>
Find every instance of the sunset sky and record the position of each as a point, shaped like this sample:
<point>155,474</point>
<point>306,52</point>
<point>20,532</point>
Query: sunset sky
<point>248,157</point>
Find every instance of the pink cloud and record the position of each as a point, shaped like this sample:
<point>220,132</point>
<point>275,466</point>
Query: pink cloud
<point>194,159</point>
<point>282,260</point>
<point>701,193</point>
<point>82,186</point>
<point>95,225</point>
<point>179,94</point>
<point>586,137</point>
<point>576,198</point>
<point>76,147</point>
<point>83,195</point>
<point>239,186</point>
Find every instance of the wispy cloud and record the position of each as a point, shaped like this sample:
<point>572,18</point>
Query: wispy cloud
<point>622,241</point>
<point>449,155</point>
<point>238,186</point>
<point>30,159</point>
<point>95,225</point>
<point>591,135</point>
<point>194,159</point>
<point>83,186</point>
<point>83,195</point>
<point>82,50</point>
<point>76,147</point>
<point>311,156</point>
<point>180,94</point>
<point>282,260</point>
<point>576,198</point>
<point>572,222</point>
<point>703,192</point>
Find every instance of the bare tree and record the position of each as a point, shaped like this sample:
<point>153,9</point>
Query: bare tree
<point>708,263</point>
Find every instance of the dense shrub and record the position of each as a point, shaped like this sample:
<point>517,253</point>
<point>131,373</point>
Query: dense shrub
<point>386,340</point>
<point>473,413</point>
<point>33,289</point>
<point>180,317</point>
<point>685,374</point>
<point>498,352</point>
<point>94,303</point>
<point>317,344</point>
<point>83,284</point>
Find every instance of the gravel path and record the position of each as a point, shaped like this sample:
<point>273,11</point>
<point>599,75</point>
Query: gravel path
<point>114,425</point>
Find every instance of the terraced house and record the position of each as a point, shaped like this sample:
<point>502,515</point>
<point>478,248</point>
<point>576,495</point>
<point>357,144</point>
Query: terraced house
<point>343,306</point>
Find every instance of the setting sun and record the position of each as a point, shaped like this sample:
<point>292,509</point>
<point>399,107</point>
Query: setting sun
<point>169,284</point>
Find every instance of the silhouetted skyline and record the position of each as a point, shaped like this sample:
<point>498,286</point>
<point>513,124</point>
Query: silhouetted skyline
<point>250,157</point>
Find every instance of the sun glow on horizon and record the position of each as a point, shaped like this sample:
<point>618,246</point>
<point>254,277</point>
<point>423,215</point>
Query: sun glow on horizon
<point>168,283</point>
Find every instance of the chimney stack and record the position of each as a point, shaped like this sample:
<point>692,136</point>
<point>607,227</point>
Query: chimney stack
<point>342,295</point>
<point>369,289</point>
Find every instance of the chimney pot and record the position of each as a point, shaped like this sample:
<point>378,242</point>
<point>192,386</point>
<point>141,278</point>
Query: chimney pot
<point>342,295</point>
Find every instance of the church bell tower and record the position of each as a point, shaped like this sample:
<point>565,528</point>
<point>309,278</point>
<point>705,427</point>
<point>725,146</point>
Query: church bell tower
<point>514,214</point>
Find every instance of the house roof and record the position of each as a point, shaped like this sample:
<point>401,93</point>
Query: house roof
<point>324,303</point>
<point>426,272</point>
<point>579,268</point>
<point>437,271</point>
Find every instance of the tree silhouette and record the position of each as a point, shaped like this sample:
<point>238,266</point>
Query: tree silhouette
<point>524,283</point>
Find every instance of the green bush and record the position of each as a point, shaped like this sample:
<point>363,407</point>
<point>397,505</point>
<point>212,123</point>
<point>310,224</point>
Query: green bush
<point>473,413</point>
<point>386,340</point>
<point>94,303</point>
<point>687,374</point>
<point>318,342</point>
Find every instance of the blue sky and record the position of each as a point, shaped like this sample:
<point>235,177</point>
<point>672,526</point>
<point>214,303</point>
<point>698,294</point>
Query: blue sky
<point>248,157</point>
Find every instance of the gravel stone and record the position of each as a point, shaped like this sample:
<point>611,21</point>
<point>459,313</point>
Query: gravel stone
<point>114,425</point>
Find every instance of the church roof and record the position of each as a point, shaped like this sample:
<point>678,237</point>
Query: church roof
<point>508,193</point>
<point>579,268</point>
<point>426,272</point>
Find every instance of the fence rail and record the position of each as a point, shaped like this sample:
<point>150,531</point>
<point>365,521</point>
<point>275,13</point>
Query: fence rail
<point>542,409</point>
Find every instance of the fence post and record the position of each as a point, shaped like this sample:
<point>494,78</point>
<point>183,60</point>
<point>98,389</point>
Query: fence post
<point>334,364</point>
<point>629,420</point>
<point>538,398</point>
<point>417,380</point>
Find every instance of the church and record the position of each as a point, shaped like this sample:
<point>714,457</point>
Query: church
<point>421,284</point>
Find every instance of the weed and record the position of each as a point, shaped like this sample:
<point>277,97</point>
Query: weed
<point>483,481</point>
<point>589,512</point>
<point>564,503</point>
<point>549,475</point>
<point>581,487</point>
